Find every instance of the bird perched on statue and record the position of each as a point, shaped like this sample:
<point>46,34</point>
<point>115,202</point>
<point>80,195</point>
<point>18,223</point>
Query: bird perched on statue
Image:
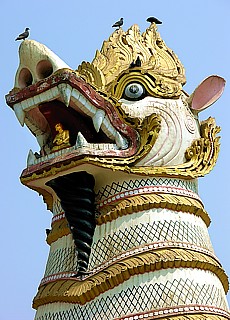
<point>136,63</point>
<point>153,19</point>
<point>23,35</point>
<point>118,23</point>
<point>48,231</point>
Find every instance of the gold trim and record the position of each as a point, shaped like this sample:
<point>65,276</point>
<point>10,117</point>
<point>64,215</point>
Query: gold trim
<point>165,72</point>
<point>59,230</point>
<point>92,74</point>
<point>149,201</point>
<point>136,204</point>
<point>201,156</point>
<point>82,291</point>
<point>159,87</point>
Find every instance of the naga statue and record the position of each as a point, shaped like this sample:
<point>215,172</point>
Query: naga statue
<point>120,150</point>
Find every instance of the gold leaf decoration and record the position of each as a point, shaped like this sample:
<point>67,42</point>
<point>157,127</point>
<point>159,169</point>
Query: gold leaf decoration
<point>201,156</point>
<point>136,204</point>
<point>204,152</point>
<point>92,74</point>
<point>159,64</point>
<point>59,229</point>
<point>81,291</point>
<point>148,201</point>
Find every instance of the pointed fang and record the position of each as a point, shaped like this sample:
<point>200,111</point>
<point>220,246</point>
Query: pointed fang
<point>121,142</point>
<point>40,140</point>
<point>65,92</point>
<point>98,119</point>
<point>31,158</point>
<point>81,141</point>
<point>20,114</point>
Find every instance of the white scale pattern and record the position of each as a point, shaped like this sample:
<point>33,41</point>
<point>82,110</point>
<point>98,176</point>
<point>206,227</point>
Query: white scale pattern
<point>123,234</point>
<point>147,227</point>
<point>153,291</point>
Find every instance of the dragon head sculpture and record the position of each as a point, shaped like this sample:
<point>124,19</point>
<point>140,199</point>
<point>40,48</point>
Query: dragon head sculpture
<point>120,148</point>
<point>125,111</point>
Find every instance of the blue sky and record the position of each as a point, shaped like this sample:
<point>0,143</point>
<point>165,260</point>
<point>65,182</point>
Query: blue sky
<point>197,31</point>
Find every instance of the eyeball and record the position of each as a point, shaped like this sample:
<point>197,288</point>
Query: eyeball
<point>134,91</point>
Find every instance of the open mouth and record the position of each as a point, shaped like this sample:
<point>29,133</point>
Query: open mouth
<point>92,121</point>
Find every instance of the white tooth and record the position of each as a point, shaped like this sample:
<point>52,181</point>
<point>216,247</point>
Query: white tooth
<point>81,141</point>
<point>40,140</point>
<point>82,103</point>
<point>31,158</point>
<point>120,141</point>
<point>20,114</point>
<point>47,95</point>
<point>37,99</point>
<point>86,107</point>
<point>55,92</point>
<point>75,94</point>
<point>82,99</point>
<point>98,119</point>
<point>65,92</point>
<point>90,108</point>
<point>42,96</point>
<point>24,104</point>
<point>108,129</point>
<point>31,103</point>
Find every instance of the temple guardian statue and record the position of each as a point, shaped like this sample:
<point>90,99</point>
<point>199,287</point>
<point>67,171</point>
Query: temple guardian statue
<point>120,149</point>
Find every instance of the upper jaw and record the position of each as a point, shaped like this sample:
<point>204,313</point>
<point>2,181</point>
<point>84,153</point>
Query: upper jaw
<point>65,96</point>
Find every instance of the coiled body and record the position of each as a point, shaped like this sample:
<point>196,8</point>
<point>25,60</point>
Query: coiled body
<point>77,198</point>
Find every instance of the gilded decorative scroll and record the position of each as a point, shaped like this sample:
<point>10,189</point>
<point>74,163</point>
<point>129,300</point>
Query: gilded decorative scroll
<point>81,291</point>
<point>201,156</point>
<point>149,201</point>
<point>137,204</point>
<point>159,64</point>
<point>59,229</point>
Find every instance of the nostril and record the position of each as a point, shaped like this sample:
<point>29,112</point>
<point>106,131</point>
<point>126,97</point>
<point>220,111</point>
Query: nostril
<point>25,78</point>
<point>44,69</point>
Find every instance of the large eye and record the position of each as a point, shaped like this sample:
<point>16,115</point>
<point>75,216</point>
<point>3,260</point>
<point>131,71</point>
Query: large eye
<point>134,91</point>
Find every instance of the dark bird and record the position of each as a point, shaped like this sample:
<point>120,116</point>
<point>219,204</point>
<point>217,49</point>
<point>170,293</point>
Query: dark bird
<point>136,63</point>
<point>118,23</point>
<point>132,64</point>
<point>152,19</point>
<point>48,231</point>
<point>23,35</point>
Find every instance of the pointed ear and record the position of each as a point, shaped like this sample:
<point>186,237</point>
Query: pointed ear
<point>206,93</point>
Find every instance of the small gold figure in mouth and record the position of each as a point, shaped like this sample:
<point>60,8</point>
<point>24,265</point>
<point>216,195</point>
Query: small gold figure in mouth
<point>61,139</point>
